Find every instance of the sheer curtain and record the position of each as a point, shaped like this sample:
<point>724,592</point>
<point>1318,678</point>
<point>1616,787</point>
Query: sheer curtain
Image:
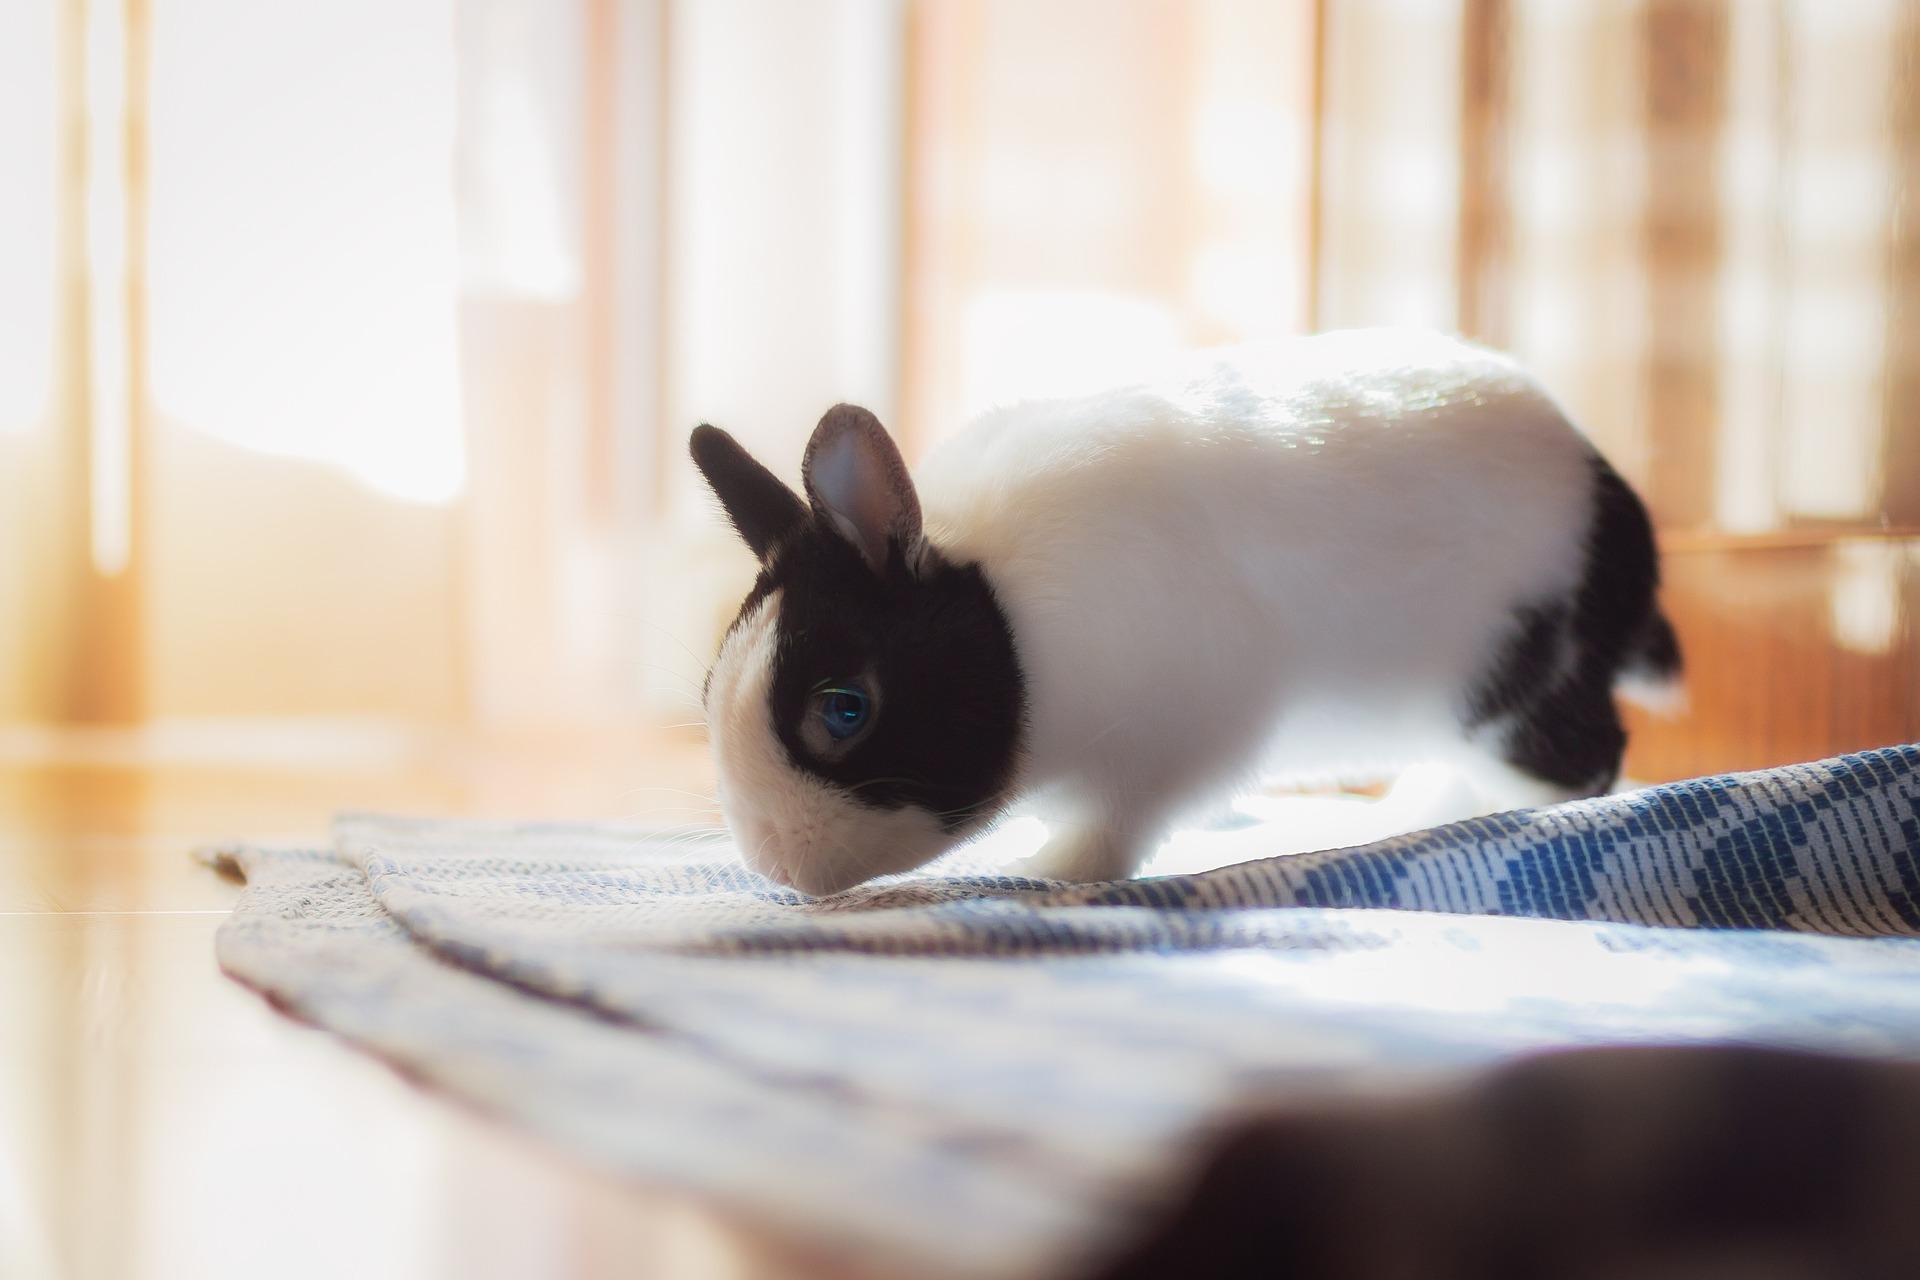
<point>1097,184</point>
<point>380,282</point>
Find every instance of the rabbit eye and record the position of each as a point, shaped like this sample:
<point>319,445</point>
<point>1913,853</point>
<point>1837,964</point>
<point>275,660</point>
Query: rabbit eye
<point>842,711</point>
<point>838,713</point>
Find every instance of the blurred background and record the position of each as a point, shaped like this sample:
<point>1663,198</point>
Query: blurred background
<point>348,349</point>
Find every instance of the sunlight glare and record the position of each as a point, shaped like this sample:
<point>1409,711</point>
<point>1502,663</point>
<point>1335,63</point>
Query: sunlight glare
<point>304,259</point>
<point>1864,602</point>
<point>1509,962</point>
<point>519,236</point>
<point>110,395</point>
<point>27,134</point>
<point>1032,344</point>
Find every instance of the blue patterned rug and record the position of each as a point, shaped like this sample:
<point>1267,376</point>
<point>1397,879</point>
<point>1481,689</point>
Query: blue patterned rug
<point>976,1075</point>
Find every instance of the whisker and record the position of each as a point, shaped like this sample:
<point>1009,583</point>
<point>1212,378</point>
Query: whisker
<point>918,782</point>
<point>678,791</point>
<point>684,648</point>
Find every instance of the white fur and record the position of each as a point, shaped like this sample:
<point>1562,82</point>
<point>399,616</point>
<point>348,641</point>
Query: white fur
<point>1289,558</point>
<point>1293,558</point>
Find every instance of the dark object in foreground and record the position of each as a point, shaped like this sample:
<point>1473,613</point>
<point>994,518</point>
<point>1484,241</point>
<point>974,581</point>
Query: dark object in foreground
<point>1662,1163</point>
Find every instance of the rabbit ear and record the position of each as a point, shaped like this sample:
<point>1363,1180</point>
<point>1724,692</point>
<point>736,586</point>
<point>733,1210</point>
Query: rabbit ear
<point>856,478</point>
<point>762,508</point>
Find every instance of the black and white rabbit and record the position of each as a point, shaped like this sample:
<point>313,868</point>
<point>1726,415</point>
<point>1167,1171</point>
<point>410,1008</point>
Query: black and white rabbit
<point>1321,558</point>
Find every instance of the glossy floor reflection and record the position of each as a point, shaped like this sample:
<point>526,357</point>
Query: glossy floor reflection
<point>157,1121</point>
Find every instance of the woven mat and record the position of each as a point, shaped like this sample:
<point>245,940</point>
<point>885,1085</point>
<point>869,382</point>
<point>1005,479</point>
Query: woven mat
<point>973,1075</point>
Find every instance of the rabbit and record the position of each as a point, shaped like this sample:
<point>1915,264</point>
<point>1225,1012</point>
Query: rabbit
<point>1318,558</point>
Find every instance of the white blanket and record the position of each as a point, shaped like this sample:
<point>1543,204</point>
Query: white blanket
<point>981,1076</point>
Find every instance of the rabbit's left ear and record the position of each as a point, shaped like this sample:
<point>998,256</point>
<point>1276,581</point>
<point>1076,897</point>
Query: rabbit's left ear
<point>856,478</point>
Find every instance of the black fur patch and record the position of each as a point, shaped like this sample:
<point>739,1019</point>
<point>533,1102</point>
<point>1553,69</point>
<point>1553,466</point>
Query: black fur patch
<point>1526,664</point>
<point>760,506</point>
<point>952,707</point>
<point>1553,679</point>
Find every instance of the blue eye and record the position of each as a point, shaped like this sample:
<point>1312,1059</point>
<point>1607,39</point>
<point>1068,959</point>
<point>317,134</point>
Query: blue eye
<point>843,711</point>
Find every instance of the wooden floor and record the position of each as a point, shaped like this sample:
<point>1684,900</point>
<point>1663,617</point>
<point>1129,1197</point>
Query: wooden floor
<point>158,1120</point>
